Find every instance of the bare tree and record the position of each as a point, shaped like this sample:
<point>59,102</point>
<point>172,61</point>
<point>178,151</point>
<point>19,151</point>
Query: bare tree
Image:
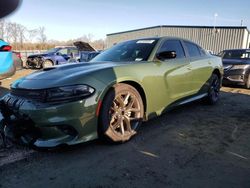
<point>41,34</point>
<point>21,34</point>
<point>2,29</point>
<point>32,33</point>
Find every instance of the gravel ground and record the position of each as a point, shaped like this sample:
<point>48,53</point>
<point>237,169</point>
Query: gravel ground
<point>195,145</point>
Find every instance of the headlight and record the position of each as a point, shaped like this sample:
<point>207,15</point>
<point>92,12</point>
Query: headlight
<point>69,93</point>
<point>239,66</point>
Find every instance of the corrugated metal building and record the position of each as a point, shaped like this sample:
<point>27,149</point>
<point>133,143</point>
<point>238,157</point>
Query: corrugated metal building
<point>215,39</point>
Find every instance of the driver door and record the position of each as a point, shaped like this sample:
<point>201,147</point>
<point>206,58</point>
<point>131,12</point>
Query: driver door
<point>177,71</point>
<point>62,56</point>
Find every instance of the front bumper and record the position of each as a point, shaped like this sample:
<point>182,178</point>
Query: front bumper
<point>35,62</point>
<point>235,76</point>
<point>47,125</point>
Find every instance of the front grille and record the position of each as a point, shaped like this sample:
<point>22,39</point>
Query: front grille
<point>37,95</point>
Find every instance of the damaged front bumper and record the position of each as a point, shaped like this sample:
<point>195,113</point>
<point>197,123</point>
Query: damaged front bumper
<point>43,125</point>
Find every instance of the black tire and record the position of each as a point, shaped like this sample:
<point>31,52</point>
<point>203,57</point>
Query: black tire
<point>214,90</point>
<point>247,84</point>
<point>47,63</point>
<point>27,66</point>
<point>121,113</point>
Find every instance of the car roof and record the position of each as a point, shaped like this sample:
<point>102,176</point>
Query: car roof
<point>65,47</point>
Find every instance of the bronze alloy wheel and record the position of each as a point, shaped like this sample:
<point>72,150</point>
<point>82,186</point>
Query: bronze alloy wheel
<point>124,113</point>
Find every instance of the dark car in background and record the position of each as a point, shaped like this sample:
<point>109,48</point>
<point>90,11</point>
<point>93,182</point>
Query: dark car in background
<point>236,63</point>
<point>7,67</point>
<point>58,55</point>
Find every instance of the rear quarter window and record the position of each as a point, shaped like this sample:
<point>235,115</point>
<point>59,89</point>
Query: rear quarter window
<point>192,49</point>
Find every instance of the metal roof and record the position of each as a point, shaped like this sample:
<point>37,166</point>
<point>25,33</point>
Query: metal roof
<point>181,26</point>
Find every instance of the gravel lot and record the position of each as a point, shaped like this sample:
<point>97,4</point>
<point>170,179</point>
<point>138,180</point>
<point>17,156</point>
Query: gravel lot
<point>195,145</point>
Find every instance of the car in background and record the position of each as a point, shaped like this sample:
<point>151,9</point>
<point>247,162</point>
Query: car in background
<point>110,97</point>
<point>236,63</point>
<point>7,67</point>
<point>58,55</point>
<point>86,56</point>
<point>54,56</point>
<point>18,62</point>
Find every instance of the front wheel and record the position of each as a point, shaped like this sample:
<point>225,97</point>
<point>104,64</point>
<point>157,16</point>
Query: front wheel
<point>121,114</point>
<point>214,90</point>
<point>47,63</point>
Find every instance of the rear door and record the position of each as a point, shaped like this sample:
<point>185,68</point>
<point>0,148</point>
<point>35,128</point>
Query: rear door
<point>200,64</point>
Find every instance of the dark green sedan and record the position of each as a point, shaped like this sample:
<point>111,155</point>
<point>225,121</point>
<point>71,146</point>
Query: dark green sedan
<point>109,97</point>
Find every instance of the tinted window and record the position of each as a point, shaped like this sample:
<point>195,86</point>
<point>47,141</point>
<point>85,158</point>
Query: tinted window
<point>203,52</point>
<point>236,54</point>
<point>173,45</point>
<point>193,49</point>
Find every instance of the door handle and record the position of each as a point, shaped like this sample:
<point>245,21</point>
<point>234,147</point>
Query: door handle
<point>209,63</point>
<point>189,68</point>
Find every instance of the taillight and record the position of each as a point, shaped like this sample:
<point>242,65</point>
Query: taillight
<point>5,48</point>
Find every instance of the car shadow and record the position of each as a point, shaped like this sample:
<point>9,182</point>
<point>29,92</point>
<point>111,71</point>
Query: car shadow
<point>234,86</point>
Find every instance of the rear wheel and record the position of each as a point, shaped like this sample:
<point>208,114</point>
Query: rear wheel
<point>47,63</point>
<point>121,113</point>
<point>214,90</point>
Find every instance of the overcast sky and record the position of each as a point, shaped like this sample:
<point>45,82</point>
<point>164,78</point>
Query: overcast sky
<point>69,19</point>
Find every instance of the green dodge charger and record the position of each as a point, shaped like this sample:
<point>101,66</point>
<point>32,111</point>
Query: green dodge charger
<point>109,97</point>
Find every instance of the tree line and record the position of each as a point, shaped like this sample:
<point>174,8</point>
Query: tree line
<point>22,38</point>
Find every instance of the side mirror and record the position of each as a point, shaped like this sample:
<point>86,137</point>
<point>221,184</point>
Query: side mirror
<point>166,55</point>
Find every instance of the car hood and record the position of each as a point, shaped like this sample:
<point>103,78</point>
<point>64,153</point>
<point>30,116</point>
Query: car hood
<point>61,75</point>
<point>235,61</point>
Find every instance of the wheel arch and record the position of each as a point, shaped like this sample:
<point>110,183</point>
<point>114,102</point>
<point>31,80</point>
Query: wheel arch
<point>139,88</point>
<point>217,72</point>
<point>49,59</point>
<point>132,83</point>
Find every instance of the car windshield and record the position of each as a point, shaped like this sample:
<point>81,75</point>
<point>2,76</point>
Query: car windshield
<point>135,50</point>
<point>236,54</point>
<point>52,50</point>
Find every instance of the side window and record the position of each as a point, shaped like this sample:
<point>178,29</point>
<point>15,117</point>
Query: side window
<point>74,51</point>
<point>173,45</point>
<point>63,51</point>
<point>193,49</point>
<point>202,51</point>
